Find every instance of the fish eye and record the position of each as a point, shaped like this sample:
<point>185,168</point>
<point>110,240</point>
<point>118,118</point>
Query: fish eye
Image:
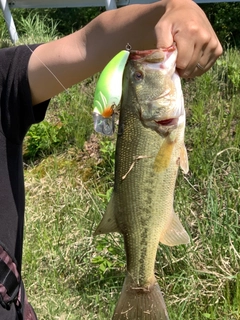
<point>138,75</point>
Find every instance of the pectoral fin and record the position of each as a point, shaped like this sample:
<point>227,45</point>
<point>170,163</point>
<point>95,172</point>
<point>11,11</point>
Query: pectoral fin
<point>108,223</point>
<point>184,159</point>
<point>163,157</point>
<point>174,233</point>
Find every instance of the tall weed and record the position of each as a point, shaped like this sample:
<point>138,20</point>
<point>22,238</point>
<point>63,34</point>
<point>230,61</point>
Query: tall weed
<point>35,29</point>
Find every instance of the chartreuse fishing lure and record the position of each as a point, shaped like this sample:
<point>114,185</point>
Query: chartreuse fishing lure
<point>108,93</point>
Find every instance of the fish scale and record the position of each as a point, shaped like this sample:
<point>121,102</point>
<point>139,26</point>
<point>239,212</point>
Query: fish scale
<point>150,147</point>
<point>140,210</point>
<point>135,205</point>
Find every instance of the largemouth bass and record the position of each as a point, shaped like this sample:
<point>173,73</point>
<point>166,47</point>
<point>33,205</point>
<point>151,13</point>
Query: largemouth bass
<point>150,148</point>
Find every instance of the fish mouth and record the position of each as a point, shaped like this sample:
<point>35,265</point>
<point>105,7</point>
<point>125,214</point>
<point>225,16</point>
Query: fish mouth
<point>164,58</point>
<point>164,126</point>
<point>153,55</point>
<point>167,122</point>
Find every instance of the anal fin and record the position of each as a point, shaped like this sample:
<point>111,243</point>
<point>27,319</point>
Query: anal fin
<point>108,223</point>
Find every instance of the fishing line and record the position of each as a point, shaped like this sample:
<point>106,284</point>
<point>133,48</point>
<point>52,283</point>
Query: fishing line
<point>61,84</point>
<point>40,60</point>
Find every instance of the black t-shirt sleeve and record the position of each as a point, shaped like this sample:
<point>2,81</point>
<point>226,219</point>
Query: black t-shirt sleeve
<point>17,112</point>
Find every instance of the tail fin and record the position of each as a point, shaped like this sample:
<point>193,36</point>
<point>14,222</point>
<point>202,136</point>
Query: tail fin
<point>140,303</point>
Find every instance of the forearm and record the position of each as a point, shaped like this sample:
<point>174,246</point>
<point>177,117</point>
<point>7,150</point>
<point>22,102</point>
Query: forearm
<point>85,52</point>
<point>135,24</point>
<point>110,32</point>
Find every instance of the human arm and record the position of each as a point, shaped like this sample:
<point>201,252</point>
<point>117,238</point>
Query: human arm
<point>85,52</point>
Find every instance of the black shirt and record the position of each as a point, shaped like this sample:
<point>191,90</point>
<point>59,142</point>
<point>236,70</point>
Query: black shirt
<point>16,116</point>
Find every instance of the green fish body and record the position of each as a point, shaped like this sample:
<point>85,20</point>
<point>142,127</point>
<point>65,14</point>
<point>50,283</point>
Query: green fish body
<point>150,148</point>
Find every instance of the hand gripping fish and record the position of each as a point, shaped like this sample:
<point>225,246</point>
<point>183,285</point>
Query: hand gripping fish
<point>150,148</point>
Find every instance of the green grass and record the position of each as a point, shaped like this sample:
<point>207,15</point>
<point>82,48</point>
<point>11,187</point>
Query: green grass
<point>71,275</point>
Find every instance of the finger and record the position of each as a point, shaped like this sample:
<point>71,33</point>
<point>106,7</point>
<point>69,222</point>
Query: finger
<point>206,61</point>
<point>188,56</point>
<point>164,34</point>
<point>203,57</point>
<point>185,51</point>
<point>193,50</point>
<point>197,67</point>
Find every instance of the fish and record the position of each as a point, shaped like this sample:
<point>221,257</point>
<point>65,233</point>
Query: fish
<point>150,149</point>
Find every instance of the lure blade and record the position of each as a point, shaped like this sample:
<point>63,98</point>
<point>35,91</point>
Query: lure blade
<point>103,125</point>
<point>108,93</point>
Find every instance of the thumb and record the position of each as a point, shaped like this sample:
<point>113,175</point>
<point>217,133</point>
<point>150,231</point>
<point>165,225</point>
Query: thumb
<point>164,35</point>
